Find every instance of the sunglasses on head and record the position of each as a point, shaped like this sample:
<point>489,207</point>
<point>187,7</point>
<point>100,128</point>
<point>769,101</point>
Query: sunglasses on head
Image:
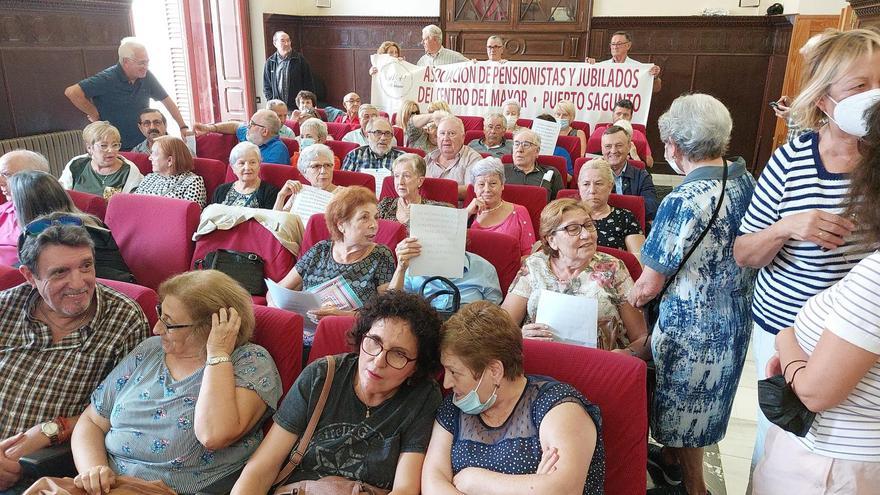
<point>37,227</point>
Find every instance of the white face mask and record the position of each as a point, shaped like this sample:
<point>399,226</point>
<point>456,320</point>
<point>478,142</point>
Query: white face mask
<point>672,163</point>
<point>511,120</point>
<point>849,113</point>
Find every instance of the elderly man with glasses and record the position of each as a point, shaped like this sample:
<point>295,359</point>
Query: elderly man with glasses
<point>352,104</point>
<point>366,113</point>
<point>117,94</point>
<point>379,151</point>
<point>621,42</point>
<point>262,130</point>
<point>525,169</point>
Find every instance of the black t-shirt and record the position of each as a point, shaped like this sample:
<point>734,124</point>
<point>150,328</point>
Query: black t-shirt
<point>614,228</point>
<point>348,443</point>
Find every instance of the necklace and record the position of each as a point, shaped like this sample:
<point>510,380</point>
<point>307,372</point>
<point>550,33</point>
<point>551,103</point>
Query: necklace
<point>490,210</point>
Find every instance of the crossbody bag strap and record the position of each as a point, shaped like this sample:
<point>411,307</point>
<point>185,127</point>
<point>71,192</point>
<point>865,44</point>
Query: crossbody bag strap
<point>296,455</point>
<point>700,238</point>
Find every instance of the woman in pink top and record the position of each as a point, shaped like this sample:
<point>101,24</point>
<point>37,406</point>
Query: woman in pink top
<point>492,212</point>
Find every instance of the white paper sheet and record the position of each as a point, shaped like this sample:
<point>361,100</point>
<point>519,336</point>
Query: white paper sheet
<point>441,231</point>
<point>549,132</point>
<point>379,174</point>
<point>573,318</point>
<point>300,302</point>
<point>309,201</point>
<point>191,143</point>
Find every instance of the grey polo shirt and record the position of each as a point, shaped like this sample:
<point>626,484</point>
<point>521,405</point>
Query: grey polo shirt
<point>536,177</point>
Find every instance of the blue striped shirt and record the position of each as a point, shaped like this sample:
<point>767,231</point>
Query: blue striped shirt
<point>794,181</point>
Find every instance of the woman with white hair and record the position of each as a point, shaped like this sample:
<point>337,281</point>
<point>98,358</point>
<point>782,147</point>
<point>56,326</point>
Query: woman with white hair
<point>565,113</point>
<point>249,190</point>
<point>408,172</point>
<point>492,213</point>
<point>616,227</point>
<point>315,163</point>
<point>312,131</point>
<point>699,342</point>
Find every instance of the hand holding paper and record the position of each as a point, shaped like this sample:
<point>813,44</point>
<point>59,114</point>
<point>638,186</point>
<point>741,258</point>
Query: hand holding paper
<point>549,133</point>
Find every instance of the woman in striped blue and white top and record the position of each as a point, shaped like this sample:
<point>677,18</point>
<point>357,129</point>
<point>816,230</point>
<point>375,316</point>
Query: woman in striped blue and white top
<point>795,229</point>
<point>835,346</point>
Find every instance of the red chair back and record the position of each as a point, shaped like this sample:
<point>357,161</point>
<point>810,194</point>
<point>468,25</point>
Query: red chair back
<point>533,198</point>
<point>398,134</point>
<point>615,383</point>
<point>636,127</point>
<point>389,234</point>
<point>527,123</point>
<point>635,204</point>
<point>471,123</point>
<point>292,145</point>
<point>445,190</point>
<point>281,333</point>
<point>89,203</point>
<point>10,277</point>
<point>213,172</point>
<point>272,173</point>
<point>417,151</point>
<point>293,125</point>
<point>337,130</point>
<point>501,250</point>
<point>146,297</point>
<point>571,144</point>
<point>348,178</point>
<point>341,148</point>
<point>331,337</point>
<point>632,263</point>
<point>473,134</point>
<point>594,142</point>
<point>569,193</point>
<point>215,145</point>
<point>252,237</point>
<point>154,234</point>
<point>581,126</point>
<point>142,160</point>
<point>322,114</point>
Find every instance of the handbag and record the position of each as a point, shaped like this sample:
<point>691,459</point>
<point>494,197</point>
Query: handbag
<point>125,485</point>
<point>450,290</point>
<point>329,485</point>
<point>245,268</point>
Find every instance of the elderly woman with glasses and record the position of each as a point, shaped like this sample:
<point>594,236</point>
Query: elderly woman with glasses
<point>186,406</point>
<point>101,171</point>
<point>492,213</point>
<point>409,175</point>
<point>376,424</point>
<point>249,190</point>
<point>569,263</point>
<point>315,163</point>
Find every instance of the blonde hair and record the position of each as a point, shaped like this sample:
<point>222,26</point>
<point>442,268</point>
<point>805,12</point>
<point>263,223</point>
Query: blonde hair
<point>567,107</point>
<point>439,105</point>
<point>407,109</point>
<point>599,164</point>
<point>99,130</point>
<point>825,61</point>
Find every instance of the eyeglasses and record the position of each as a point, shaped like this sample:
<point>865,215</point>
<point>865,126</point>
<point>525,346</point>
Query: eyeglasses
<point>524,144</point>
<point>156,122</point>
<point>139,63</point>
<point>396,359</point>
<point>575,229</point>
<point>254,124</point>
<point>620,43</point>
<point>169,327</point>
<point>381,134</point>
<point>37,227</point>
<point>493,47</point>
<point>107,147</point>
<point>320,166</point>
<point>352,101</point>
<point>494,128</point>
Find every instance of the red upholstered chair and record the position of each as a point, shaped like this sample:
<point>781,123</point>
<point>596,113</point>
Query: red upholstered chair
<point>569,193</point>
<point>215,145</point>
<point>527,123</point>
<point>471,123</point>
<point>636,127</point>
<point>501,250</point>
<point>571,144</point>
<point>292,145</point>
<point>272,173</point>
<point>635,204</point>
<point>554,161</point>
<point>594,142</point>
<point>398,134</point>
<point>154,234</point>
<point>389,234</point>
<point>383,114</point>
<point>434,189</point>
<point>581,126</point>
<point>213,172</point>
<point>142,160</point>
<point>322,114</point>
<point>331,337</point>
<point>146,297</point>
<point>534,198</point>
<point>280,332</point>
<point>417,151</point>
<point>347,178</point>
<point>632,263</point>
<point>337,130</point>
<point>293,125</point>
<point>572,183</point>
<point>89,203</point>
<point>615,383</point>
<point>341,148</point>
<point>10,277</point>
<point>473,134</point>
<point>250,237</point>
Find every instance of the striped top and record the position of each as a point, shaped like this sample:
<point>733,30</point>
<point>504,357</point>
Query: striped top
<point>795,181</point>
<point>851,310</point>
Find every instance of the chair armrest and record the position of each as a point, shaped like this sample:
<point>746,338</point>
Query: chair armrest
<point>222,486</point>
<point>51,461</point>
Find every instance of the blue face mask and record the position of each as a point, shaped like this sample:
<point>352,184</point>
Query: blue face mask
<point>563,123</point>
<point>305,143</point>
<point>470,403</point>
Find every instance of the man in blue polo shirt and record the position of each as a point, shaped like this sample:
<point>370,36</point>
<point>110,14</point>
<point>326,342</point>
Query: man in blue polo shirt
<point>117,94</point>
<point>261,130</point>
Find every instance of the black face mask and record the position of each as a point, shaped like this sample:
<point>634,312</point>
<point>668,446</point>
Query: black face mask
<point>783,407</point>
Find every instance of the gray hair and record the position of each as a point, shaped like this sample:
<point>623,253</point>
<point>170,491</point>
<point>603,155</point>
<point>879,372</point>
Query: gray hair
<point>451,118</point>
<point>26,160</point>
<point>698,124</point>
<point>127,47</point>
<point>533,133</point>
<point>36,193</point>
<point>271,104</point>
<point>493,115</point>
<point>308,155</point>
<point>486,166</point>
<point>278,33</point>
<point>315,126</point>
<point>513,102</point>
<point>496,37</point>
<point>373,122</point>
<point>55,235</point>
<point>416,161</point>
<point>366,107</point>
<point>243,149</point>
<point>625,125</point>
<point>270,120</point>
<point>432,31</point>
<point>599,164</point>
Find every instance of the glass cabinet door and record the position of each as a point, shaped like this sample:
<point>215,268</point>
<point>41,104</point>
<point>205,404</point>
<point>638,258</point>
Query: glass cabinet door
<point>548,11</point>
<point>481,10</point>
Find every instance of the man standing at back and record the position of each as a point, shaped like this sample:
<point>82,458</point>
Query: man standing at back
<point>435,53</point>
<point>10,164</point>
<point>117,94</point>
<point>286,73</point>
<point>621,43</point>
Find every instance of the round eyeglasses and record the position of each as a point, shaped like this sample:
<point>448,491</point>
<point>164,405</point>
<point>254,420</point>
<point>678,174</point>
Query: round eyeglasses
<point>395,358</point>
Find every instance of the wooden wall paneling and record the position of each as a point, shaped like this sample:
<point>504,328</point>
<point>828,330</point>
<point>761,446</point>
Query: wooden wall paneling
<point>520,46</point>
<point>867,12</point>
<point>7,125</point>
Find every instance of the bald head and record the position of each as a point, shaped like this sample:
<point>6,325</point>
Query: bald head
<point>19,161</point>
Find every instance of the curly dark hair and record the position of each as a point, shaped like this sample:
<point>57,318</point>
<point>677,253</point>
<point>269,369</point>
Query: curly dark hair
<point>423,320</point>
<point>865,181</point>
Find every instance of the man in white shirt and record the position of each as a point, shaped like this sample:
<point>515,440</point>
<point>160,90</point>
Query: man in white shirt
<point>435,54</point>
<point>621,43</point>
<point>452,160</point>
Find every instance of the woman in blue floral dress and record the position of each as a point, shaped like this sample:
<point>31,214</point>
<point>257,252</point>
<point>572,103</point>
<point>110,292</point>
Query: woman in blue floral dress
<point>702,335</point>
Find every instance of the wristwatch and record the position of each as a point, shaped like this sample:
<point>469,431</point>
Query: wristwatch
<point>52,430</point>
<point>217,360</point>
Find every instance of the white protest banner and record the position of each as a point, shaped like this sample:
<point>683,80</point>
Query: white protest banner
<point>478,88</point>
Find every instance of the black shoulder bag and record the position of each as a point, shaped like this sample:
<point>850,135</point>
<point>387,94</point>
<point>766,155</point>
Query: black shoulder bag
<point>450,290</point>
<point>245,268</point>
